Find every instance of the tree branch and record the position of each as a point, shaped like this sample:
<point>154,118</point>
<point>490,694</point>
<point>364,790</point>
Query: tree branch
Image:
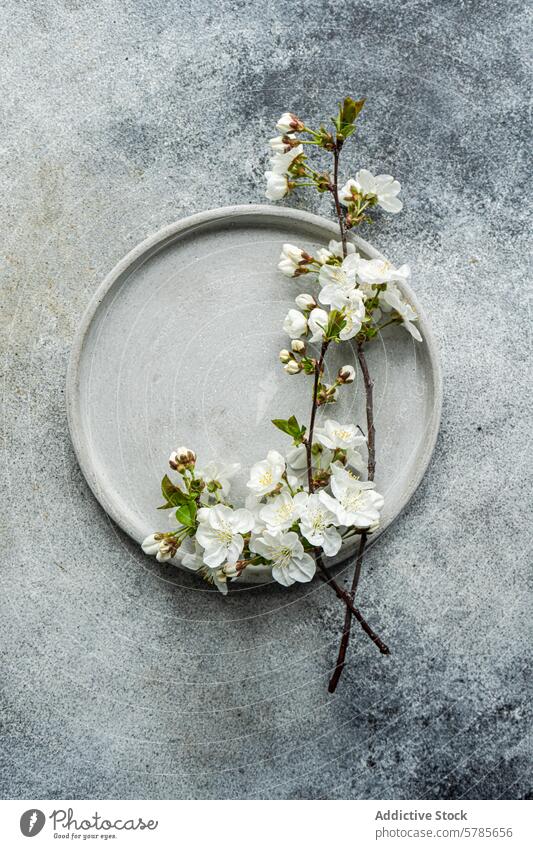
<point>334,189</point>
<point>328,578</point>
<point>309,440</point>
<point>371,445</point>
<point>369,394</point>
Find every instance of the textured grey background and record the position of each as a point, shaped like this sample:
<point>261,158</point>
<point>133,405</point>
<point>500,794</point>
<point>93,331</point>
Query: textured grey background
<point>124,679</point>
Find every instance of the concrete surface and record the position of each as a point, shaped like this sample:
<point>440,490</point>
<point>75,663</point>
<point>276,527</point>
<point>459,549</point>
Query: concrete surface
<point>123,679</point>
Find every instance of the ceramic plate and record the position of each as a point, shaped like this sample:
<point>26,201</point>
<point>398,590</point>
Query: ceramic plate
<point>179,346</point>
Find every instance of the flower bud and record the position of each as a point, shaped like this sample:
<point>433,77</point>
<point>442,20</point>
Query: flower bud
<point>168,547</point>
<point>282,144</point>
<point>289,123</point>
<point>346,374</point>
<point>182,459</point>
<point>298,346</point>
<point>285,356</point>
<point>150,545</point>
<point>305,302</point>
<point>230,570</point>
<point>292,367</point>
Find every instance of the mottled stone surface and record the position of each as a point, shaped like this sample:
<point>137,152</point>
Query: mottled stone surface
<point>124,679</point>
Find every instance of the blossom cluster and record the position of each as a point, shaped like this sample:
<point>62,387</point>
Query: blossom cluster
<point>304,504</point>
<point>282,524</point>
<point>289,168</point>
<point>362,294</point>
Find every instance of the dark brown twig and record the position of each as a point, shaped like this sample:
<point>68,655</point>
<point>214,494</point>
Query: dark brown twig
<point>371,445</point>
<point>369,393</point>
<point>328,578</point>
<point>309,440</point>
<point>334,189</point>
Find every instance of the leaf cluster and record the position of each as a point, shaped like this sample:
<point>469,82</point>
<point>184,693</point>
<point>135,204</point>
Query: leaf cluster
<point>292,428</point>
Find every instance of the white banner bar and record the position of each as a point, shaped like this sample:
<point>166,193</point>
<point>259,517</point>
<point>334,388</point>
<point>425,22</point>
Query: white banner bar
<point>272,824</point>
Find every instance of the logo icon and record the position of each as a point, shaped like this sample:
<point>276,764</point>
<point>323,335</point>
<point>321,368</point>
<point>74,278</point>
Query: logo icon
<point>32,822</point>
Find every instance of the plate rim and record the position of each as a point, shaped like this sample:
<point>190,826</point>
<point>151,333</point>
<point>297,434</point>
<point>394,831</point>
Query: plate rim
<point>157,241</point>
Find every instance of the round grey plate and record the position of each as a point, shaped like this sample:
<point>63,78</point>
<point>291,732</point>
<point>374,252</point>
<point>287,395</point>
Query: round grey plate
<point>179,346</point>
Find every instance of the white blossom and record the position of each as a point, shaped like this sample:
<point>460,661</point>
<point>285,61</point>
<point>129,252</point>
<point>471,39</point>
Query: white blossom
<point>335,248</point>
<point>290,563</point>
<point>355,502</point>
<point>220,532</point>
<point>354,459</point>
<point>289,123</point>
<point>305,301</point>
<point>164,547</point>
<point>353,312</point>
<point>323,256</point>
<point>265,475</point>
<point>150,545</point>
<point>295,324</point>
<point>192,558</point>
<point>298,346</point>
<point>383,187</point>
<point>280,513</point>
<point>334,435</point>
<point>317,525</point>
<point>281,162</point>
<point>279,143</point>
<point>218,472</point>
<point>254,506</point>
<point>297,465</point>
<point>277,185</point>
<point>290,258</point>
<point>339,282</point>
<point>391,298</point>
<point>376,271</point>
<point>318,322</point>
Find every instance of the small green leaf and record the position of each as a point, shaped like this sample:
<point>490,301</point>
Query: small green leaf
<point>282,424</point>
<point>167,487</point>
<point>291,427</point>
<point>186,514</point>
<point>293,424</point>
<point>172,494</point>
<point>345,119</point>
<point>350,109</point>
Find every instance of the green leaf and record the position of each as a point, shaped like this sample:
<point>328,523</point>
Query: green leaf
<point>186,514</point>
<point>172,494</point>
<point>344,122</point>
<point>291,427</point>
<point>282,424</point>
<point>293,424</point>
<point>350,109</point>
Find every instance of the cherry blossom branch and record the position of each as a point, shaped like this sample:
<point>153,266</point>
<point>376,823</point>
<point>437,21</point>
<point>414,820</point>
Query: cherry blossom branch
<point>371,445</point>
<point>328,578</point>
<point>309,440</point>
<point>369,394</point>
<point>334,189</point>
